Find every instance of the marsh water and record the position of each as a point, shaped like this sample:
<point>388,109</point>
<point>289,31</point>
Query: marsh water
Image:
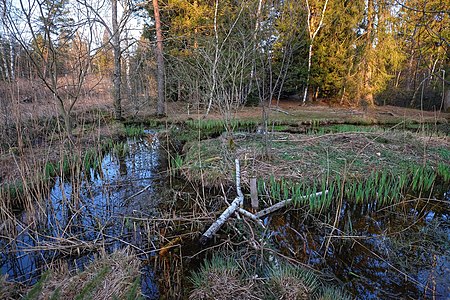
<point>398,252</point>
<point>90,214</point>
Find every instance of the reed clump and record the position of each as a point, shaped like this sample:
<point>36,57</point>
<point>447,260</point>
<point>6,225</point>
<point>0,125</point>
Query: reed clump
<point>176,164</point>
<point>290,282</point>
<point>37,177</point>
<point>221,125</point>
<point>134,130</point>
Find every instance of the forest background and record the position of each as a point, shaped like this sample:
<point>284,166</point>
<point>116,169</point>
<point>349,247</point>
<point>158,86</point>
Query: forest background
<point>221,55</point>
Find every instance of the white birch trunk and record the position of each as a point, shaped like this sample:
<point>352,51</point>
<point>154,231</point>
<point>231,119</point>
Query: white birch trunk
<point>12,58</point>
<point>5,62</point>
<point>305,93</point>
<point>312,35</point>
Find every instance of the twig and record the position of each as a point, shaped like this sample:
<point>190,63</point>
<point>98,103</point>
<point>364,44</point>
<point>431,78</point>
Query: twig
<point>138,193</point>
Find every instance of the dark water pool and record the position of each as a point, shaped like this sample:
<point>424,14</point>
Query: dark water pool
<point>397,253</point>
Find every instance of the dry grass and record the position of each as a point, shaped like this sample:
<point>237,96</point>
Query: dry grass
<point>293,283</point>
<point>10,290</point>
<point>291,288</point>
<point>222,285</point>
<point>108,277</point>
<point>221,279</point>
<point>307,158</point>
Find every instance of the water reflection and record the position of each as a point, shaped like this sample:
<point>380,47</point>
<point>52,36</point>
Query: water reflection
<point>88,214</point>
<point>399,253</point>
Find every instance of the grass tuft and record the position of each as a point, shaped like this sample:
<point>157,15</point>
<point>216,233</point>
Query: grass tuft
<point>134,131</point>
<point>219,278</point>
<point>332,293</point>
<point>290,282</point>
<point>37,288</point>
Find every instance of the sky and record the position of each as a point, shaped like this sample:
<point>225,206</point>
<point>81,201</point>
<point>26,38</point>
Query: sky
<point>100,10</point>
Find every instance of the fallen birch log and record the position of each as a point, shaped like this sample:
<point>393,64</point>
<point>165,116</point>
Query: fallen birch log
<point>234,206</point>
<point>251,216</point>
<point>284,203</point>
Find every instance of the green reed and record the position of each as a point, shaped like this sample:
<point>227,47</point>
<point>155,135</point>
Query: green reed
<point>443,170</point>
<point>176,164</point>
<point>220,124</point>
<point>134,131</point>
<point>380,187</point>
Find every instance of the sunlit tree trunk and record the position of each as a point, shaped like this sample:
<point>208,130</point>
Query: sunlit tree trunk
<point>117,68</point>
<point>367,96</point>
<point>128,70</point>
<point>447,100</point>
<point>310,50</point>
<point>216,59</point>
<point>160,110</point>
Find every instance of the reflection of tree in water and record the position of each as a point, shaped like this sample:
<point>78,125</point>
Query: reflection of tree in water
<point>122,165</point>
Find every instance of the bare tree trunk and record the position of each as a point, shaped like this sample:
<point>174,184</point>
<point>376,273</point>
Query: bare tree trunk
<point>4,61</point>
<point>447,101</point>
<point>160,110</point>
<point>255,46</point>
<point>127,70</point>
<point>66,116</point>
<point>410,77</point>
<point>117,68</point>
<point>305,92</point>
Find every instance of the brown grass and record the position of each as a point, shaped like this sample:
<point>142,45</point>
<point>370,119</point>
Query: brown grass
<point>223,284</point>
<point>291,288</point>
<point>11,290</point>
<point>119,270</point>
<point>306,158</point>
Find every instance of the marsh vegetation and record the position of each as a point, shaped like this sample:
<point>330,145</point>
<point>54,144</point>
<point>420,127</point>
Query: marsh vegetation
<point>150,194</point>
<point>294,149</point>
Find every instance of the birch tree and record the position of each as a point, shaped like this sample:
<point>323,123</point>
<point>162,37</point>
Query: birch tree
<point>314,22</point>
